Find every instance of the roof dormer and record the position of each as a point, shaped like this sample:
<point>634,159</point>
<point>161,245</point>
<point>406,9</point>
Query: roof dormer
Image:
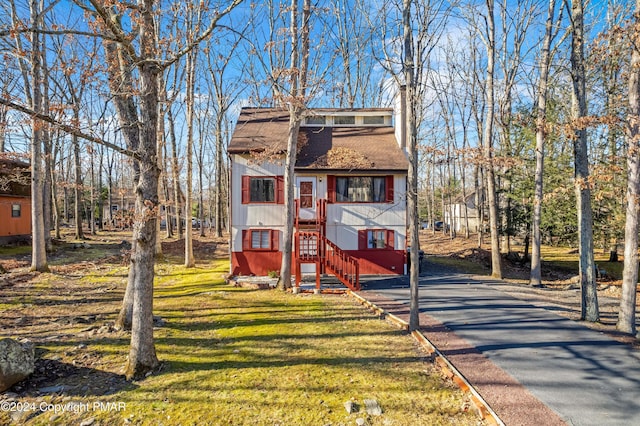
<point>365,117</point>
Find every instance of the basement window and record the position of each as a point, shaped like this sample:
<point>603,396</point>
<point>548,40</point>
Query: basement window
<point>260,239</point>
<point>375,239</point>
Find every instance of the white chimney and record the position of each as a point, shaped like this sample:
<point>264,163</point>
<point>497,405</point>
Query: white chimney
<point>400,117</point>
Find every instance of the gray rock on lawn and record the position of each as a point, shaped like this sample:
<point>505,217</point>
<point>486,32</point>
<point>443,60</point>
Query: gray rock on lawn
<point>17,362</point>
<point>351,407</point>
<point>372,407</point>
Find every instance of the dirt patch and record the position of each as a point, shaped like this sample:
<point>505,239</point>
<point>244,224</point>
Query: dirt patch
<point>203,248</point>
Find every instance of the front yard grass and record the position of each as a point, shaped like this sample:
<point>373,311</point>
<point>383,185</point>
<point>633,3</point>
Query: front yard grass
<point>233,356</point>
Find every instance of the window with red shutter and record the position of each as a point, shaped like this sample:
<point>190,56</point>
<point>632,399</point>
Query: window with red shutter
<point>331,188</point>
<point>279,189</point>
<point>390,243</point>
<point>262,189</point>
<point>246,183</point>
<point>260,240</point>
<point>389,188</point>
<point>246,240</point>
<point>362,239</point>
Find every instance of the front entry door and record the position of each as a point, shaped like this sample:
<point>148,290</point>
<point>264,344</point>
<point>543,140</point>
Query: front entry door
<point>307,196</point>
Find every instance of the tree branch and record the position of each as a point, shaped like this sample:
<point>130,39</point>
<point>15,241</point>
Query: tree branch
<point>214,23</point>
<point>69,129</point>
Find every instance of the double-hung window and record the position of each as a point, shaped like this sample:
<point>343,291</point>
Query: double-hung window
<point>262,189</point>
<point>376,239</point>
<point>260,239</point>
<point>361,189</point>
<point>16,210</point>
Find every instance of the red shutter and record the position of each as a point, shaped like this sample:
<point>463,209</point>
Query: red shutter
<point>246,189</point>
<point>279,189</point>
<point>390,243</point>
<point>362,239</point>
<point>389,188</point>
<point>331,188</point>
<point>275,240</point>
<point>246,239</point>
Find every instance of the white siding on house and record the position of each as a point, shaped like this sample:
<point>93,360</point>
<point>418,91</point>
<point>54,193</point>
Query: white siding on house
<point>454,215</point>
<point>245,216</point>
<point>344,220</point>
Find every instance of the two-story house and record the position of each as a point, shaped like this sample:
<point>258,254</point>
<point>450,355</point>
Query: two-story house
<point>350,191</point>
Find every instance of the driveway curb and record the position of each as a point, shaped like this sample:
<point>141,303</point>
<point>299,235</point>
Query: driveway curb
<point>484,411</point>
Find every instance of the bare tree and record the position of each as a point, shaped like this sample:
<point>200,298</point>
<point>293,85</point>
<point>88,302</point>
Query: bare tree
<point>627,315</point>
<point>189,260</point>
<point>140,49</point>
<point>515,24</point>
<point>39,231</point>
<point>353,79</point>
<point>225,92</point>
<point>412,138</point>
<point>487,141</point>
<point>541,134</point>
<point>582,183</point>
<point>295,102</point>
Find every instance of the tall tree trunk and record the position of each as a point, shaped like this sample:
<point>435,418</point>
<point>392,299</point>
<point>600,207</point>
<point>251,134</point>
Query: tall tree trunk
<point>582,184</point>
<point>412,180</point>
<point>541,134</point>
<point>201,216</point>
<point>92,195</point>
<point>160,150</point>
<point>47,150</point>
<point>65,190</point>
<point>189,260</point>
<point>38,239</point>
<point>78,178</point>
<point>175,172</point>
<point>121,87</point>
<point>284,281</point>
<point>99,200</point>
<point>142,354</point>
<point>296,107</point>
<point>219,185</point>
<point>167,193</point>
<point>496,259</point>
<point>627,315</point>
<point>3,122</point>
<point>479,199</point>
<point>54,195</point>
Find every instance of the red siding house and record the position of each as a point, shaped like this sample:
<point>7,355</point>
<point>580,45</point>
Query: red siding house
<point>15,201</point>
<point>350,186</point>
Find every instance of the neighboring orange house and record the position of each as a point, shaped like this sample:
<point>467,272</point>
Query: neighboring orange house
<point>15,201</point>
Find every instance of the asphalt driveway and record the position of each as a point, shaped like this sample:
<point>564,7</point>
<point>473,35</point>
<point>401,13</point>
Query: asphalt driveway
<point>584,376</point>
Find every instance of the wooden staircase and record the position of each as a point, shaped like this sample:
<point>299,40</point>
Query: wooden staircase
<point>312,246</point>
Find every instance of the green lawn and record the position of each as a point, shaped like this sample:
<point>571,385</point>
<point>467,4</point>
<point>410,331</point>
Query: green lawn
<point>259,357</point>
